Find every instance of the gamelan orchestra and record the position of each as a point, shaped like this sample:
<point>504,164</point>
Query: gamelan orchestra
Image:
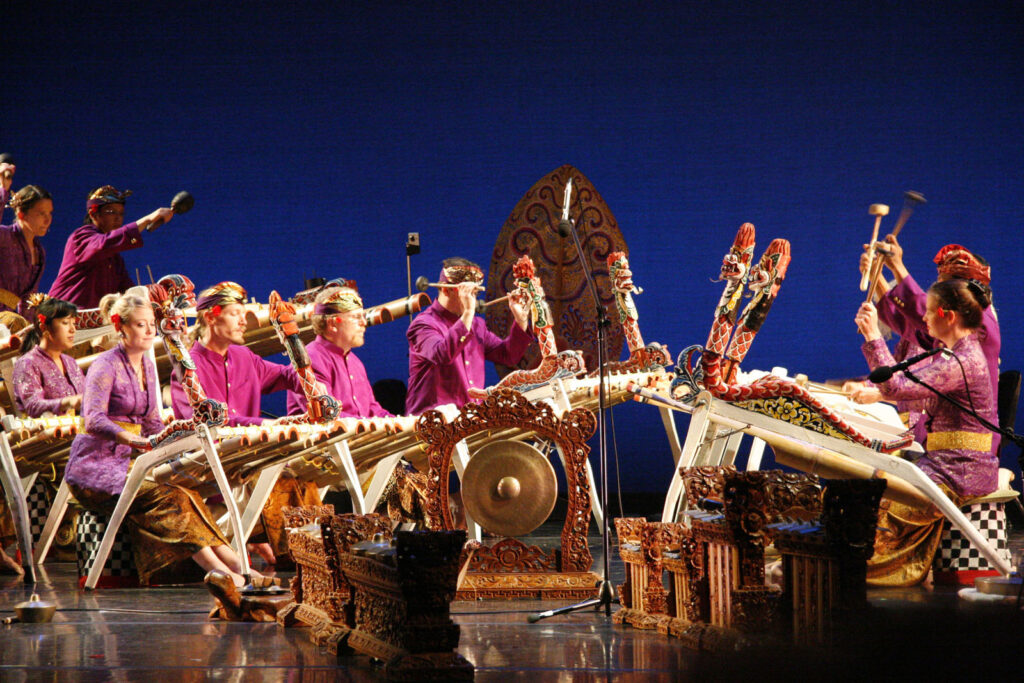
<point>162,454</point>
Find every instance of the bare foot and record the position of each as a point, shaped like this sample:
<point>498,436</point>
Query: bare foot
<point>9,566</point>
<point>265,551</point>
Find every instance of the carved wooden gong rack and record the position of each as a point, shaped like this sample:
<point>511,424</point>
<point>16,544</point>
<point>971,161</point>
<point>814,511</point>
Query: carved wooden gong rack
<point>509,568</point>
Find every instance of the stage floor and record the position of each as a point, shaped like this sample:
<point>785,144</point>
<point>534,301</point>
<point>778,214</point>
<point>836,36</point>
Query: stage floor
<point>165,634</point>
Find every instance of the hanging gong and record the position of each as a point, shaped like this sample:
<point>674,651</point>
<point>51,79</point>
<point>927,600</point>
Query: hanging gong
<point>509,488</point>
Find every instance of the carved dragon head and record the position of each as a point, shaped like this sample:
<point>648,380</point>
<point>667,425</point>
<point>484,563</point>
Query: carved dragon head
<point>619,273</point>
<point>736,263</point>
<point>770,271</point>
<point>181,290</point>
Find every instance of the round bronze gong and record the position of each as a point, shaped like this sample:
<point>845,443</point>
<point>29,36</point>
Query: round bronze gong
<point>509,488</point>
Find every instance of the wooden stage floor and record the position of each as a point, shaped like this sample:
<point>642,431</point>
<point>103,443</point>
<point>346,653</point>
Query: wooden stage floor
<point>163,634</point>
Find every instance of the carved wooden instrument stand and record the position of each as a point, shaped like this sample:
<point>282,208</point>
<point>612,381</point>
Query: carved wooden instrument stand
<point>511,569</point>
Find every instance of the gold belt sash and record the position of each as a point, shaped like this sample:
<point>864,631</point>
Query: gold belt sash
<point>972,441</point>
<point>9,299</point>
<point>132,427</point>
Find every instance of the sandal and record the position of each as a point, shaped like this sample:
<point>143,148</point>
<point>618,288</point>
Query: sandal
<point>266,582</point>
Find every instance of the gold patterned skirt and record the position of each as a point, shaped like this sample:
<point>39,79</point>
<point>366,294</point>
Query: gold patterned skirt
<point>167,524</point>
<point>906,541</point>
<point>287,492</point>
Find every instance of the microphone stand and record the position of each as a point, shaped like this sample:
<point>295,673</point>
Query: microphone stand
<point>1005,433</point>
<point>605,594</point>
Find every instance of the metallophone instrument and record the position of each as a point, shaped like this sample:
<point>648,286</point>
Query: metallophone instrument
<point>317,446</point>
<point>803,429</point>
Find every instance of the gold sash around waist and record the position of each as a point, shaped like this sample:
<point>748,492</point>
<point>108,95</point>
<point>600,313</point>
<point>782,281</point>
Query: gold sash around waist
<point>9,299</point>
<point>132,427</point>
<point>972,441</point>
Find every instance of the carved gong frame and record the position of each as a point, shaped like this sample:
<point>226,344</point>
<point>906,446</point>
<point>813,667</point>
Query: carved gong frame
<point>505,409</point>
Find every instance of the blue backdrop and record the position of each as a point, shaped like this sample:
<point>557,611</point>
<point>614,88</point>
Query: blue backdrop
<point>314,136</point>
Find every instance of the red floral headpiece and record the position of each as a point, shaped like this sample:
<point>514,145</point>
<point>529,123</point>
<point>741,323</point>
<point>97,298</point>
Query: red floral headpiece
<point>956,261</point>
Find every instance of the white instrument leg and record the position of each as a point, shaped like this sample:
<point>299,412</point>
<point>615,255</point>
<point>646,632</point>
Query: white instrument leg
<point>136,477</point>
<point>460,458</point>
<point>381,476</point>
<point>258,498</point>
<point>15,495</point>
<point>914,475</point>
<point>756,453</point>
<point>53,520</point>
<point>342,457</point>
<point>28,482</point>
<point>672,433</point>
<point>732,446</point>
<point>213,459</point>
<point>699,425</point>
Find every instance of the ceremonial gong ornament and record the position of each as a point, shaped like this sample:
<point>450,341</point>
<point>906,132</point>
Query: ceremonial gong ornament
<point>509,487</point>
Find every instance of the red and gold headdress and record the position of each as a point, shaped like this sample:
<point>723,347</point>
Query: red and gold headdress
<point>221,294</point>
<point>456,274</point>
<point>956,261</point>
<point>336,300</point>
<point>108,194</point>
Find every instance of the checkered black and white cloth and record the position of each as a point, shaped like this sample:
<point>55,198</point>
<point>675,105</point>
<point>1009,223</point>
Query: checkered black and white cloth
<point>956,552</point>
<point>89,533</point>
<point>38,502</point>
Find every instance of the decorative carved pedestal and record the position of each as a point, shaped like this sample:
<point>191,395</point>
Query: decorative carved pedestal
<point>323,597</point>
<point>511,569</point>
<point>824,565</point>
<point>402,601</point>
<point>717,598</point>
<point>391,603</point>
<point>643,596</point>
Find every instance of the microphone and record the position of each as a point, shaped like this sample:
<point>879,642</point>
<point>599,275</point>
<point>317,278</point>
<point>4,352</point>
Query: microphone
<point>885,372</point>
<point>565,225</point>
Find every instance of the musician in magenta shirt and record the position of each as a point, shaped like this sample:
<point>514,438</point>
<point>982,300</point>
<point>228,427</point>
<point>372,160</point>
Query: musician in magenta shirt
<point>22,257</point>
<point>448,344</point>
<point>168,523</point>
<point>958,448</point>
<point>234,375</point>
<point>46,379</point>
<point>92,264</point>
<point>902,308</point>
<point>339,322</point>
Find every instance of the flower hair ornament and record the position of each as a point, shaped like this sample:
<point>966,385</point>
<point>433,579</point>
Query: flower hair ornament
<point>942,312</point>
<point>115,319</point>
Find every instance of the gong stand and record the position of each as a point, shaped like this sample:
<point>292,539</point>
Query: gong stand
<point>510,569</point>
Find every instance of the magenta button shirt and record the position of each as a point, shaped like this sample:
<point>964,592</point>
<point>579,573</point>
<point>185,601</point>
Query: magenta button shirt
<point>345,378</point>
<point>237,379</point>
<point>93,266</point>
<point>446,359</point>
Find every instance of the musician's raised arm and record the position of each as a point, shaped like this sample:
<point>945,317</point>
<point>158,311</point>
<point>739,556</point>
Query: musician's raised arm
<point>446,356</point>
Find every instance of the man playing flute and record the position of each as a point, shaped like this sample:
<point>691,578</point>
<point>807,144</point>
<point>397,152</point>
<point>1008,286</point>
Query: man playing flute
<point>448,344</point>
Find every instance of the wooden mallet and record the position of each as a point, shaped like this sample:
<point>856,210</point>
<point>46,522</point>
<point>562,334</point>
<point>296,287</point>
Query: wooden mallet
<point>876,210</point>
<point>910,201</point>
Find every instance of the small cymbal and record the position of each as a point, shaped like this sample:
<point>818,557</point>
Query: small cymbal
<point>509,488</point>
